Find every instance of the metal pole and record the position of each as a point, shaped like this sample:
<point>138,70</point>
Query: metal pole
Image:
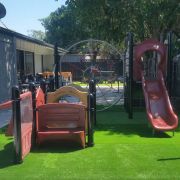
<point>32,88</point>
<point>17,124</point>
<point>51,84</point>
<point>43,85</point>
<point>92,90</point>
<point>169,64</point>
<point>130,44</point>
<point>125,78</point>
<point>56,61</point>
<point>90,120</point>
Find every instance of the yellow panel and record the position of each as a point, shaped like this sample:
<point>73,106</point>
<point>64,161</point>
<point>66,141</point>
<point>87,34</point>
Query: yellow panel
<point>67,90</point>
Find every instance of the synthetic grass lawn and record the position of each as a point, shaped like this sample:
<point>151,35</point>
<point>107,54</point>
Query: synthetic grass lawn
<point>124,149</point>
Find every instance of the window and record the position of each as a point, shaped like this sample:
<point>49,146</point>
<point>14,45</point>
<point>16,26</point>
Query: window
<point>25,63</point>
<point>20,63</point>
<point>29,63</point>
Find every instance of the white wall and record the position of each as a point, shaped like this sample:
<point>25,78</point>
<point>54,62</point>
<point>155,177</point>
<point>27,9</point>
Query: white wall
<point>48,62</point>
<point>38,63</point>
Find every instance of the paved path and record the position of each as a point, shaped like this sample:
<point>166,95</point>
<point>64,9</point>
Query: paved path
<point>105,96</point>
<point>108,96</point>
<point>5,116</point>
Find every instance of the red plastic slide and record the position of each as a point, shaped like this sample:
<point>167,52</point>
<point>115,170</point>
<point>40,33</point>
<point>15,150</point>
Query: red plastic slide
<point>158,106</point>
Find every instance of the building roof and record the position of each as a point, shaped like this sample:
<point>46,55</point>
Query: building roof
<point>29,39</point>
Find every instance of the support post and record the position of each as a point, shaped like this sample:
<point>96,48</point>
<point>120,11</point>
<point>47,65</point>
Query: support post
<point>169,64</point>
<point>92,90</point>
<point>130,79</point>
<point>51,84</point>
<point>32,88</point>
<point>56,62</point>
<point>90,120</point>
<point>17,124</point>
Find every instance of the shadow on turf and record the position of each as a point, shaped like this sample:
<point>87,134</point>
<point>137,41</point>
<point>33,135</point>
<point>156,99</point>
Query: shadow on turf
<point>6,156</point>
<point>57,147</point>
<point>169,159</point>
<point>130,130</point>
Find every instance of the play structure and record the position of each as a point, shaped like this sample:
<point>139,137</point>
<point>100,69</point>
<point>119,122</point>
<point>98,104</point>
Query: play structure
<point>39,118</point>
<point>145,73</point>
<point>64,120</point>
<point>51,112</point>
<point>157,102</point>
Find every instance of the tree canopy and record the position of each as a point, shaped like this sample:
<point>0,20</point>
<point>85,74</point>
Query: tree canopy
<point>110,20</point>
<point>40,35</point>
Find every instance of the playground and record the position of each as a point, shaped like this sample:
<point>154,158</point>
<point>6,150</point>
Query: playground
<point>101,113</point>
<point>81,131</point>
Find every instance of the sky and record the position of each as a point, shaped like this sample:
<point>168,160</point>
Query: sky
<point>23,15</point>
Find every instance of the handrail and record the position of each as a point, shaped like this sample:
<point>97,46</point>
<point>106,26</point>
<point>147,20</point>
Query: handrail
<point>6,105</point>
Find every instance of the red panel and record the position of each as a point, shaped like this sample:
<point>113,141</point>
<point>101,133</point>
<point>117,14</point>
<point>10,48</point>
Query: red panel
<point>73,135</point>
<point>59,121</point>
<point>6,105</point>
<point>158,106</point>
<point>26,122</point>
<point>140,49</point>
<point>40,97</point>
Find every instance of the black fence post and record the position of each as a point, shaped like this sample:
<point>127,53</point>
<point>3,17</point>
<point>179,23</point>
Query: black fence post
<point>130,79</point>
<point>90,120</point>
<point>17,124</point>
<point>169,64</point>
<point>92,90</point>
<point>51,84</point>
<point>56,62</point>
<point>125,77</point>
<point>43,85</point>
<point>32,88</point>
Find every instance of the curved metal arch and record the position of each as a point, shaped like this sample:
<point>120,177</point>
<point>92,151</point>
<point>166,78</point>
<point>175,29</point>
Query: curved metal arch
<point>93,40</point>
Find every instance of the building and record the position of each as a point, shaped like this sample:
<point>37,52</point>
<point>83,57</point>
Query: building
<point>22,55</point>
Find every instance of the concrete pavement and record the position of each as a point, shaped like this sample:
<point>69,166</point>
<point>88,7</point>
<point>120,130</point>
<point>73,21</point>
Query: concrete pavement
<point>5,116</point>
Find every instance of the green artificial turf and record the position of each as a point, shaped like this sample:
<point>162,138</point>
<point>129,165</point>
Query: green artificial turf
<point>124,149</point>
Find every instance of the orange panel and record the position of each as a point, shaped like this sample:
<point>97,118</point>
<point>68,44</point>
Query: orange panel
<point>40,97</point>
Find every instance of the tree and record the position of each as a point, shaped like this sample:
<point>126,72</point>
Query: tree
<point>63,27</point>
<point>110,20</point>
<point>40,35</point>
<point>153,17</point>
